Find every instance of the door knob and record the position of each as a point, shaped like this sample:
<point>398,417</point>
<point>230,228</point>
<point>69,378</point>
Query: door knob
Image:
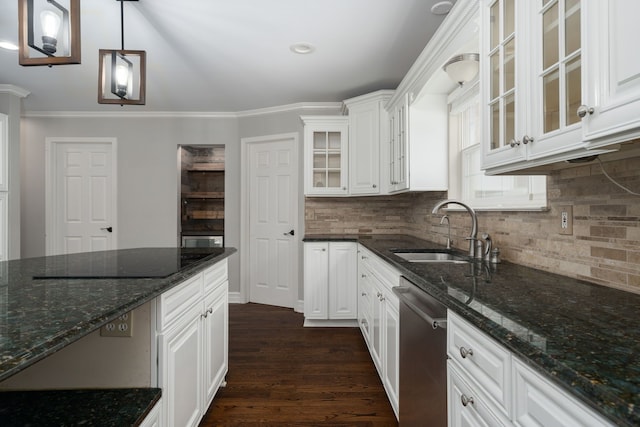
<point>290,233</point>
<point>109,229</point>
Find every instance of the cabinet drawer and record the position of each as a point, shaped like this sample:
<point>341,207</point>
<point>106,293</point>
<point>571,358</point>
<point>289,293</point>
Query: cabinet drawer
<point>215,275</point>
<point>383,271</point>
<point>465,405</point>
<point>175,302</point>
<point>540,402</point>
<point>488,363</point>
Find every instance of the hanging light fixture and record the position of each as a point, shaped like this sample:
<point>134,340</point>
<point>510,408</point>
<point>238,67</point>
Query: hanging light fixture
<point>462,68</point>
<point>49,32</point>
<point>121,73</point>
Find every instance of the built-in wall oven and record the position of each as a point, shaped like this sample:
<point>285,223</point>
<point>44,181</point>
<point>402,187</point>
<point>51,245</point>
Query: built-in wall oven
<point>423,358</point>
<point>202,241</point>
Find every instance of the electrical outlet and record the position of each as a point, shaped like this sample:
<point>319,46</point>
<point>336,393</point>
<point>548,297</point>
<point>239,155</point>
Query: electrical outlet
<point>566,220</point>
<point>120,327</point>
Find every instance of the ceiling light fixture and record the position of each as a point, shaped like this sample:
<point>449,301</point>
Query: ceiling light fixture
<point>302,48</point>
<point>122,73</point>
<point>441,8</point>
<point>49,32</point>
<point>462,68</point>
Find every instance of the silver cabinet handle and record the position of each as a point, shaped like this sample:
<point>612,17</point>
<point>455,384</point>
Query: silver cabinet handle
<point>466,400</point>
<point>324,249</point>
<point>363,275</point>
<point>207,313</point>
<point>513,143</point>
<point>526,139</point>
<point>375,186</point>
<point>364,294</point>
<point>583,110</point>
<point>464,352</point>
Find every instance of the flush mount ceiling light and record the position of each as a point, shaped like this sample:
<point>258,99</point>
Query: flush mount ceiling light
<point>121,73</point>
<point>49,32</point>
<point>462,68</point>
<point>441,8</point>
<point>302,48</point>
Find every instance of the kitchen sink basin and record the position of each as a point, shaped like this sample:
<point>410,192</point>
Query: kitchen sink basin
<point>429,256</point>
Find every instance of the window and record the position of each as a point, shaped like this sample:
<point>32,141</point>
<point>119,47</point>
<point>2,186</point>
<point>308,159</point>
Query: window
<point>468,181</point>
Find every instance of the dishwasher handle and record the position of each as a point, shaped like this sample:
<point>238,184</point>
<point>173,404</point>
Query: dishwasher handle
<point>406,297</point>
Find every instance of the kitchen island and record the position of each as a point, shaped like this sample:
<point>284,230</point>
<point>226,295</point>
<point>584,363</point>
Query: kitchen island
<point>581,336</point>
<point>48,303</point>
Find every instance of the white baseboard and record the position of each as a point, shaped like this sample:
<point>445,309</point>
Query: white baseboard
<point>300,307</point>
<point>346,323</point>
<point>236,298</point>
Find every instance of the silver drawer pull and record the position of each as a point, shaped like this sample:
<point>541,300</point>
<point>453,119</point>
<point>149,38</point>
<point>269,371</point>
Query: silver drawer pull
<point>464,353</point>
<point>466,400</point>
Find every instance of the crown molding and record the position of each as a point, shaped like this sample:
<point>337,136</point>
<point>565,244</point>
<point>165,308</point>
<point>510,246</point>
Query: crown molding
<point>336,106</point>
<point>14,90</point>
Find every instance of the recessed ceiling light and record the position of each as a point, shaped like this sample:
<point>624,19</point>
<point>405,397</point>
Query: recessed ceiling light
<point>302,48</point>
<point>441,8</point>
<point>8,45</point>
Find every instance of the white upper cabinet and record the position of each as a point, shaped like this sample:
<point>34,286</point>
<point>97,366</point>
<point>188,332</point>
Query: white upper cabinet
<point>326,155</point>
<point>612,71</point>
<point>368,121</point>
<point>557,80</point>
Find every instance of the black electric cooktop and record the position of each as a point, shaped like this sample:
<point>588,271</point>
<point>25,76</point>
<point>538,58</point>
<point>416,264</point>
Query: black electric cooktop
<point>124,263</point>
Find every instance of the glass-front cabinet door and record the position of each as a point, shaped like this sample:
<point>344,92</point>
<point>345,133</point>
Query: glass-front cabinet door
<point>558,83</point>
<point>325,144</point>
<point>504,89</point>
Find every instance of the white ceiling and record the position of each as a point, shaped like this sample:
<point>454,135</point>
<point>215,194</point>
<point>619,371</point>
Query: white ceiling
<point>232,55</point>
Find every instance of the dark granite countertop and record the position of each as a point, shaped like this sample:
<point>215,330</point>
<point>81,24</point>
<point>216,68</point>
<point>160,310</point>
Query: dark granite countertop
<point>582,336</point>
<point>40,316</point>
<point>105,408</point>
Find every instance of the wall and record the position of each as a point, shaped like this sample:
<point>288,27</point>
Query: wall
<point>147,175</point>
<point>604,247</point>
<point>10,104</point>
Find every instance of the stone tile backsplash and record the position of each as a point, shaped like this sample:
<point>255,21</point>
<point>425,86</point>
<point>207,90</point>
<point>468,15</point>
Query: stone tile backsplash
<point>604,247</point>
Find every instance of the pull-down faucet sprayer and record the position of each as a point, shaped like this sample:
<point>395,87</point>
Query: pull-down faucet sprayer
<point>473,237</point>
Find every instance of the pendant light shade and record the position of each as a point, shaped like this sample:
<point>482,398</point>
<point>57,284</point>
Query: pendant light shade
<point>49,32</point>
<point>462,68</point>
<point>122,73</point>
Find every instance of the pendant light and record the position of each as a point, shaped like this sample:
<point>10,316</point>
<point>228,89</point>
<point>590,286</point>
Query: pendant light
<point>49,32</point>
<point>121,73</point>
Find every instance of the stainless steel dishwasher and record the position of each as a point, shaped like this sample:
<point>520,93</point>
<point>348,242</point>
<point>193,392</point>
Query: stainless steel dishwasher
<point>423,358</point>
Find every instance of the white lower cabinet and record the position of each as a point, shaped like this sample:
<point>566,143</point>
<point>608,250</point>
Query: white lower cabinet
<point>488,386</point>
<point>378,318</point>
<point>538,402</point>
<point>193,349</point>
<point>154,417</point>
<point>330,285</point>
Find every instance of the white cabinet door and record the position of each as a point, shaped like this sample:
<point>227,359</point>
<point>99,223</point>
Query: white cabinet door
<point>367,136</point>
<point>154,417</point>
<point>4,152</point>
<point>465,405</point>
<point>343,285</point>
<point>613,70</point>
<point>538,402</point>
<point>503,81</point>
<point>326,155</point>
<point>316,280</point>
<point>181,370</point>
<point>215,342</point>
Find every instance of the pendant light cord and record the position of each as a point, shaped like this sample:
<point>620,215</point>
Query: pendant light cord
<point>614,181</point>
<point>122,23</point>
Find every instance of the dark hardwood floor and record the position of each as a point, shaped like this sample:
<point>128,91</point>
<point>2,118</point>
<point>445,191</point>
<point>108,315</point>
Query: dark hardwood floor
<point>281,374</point>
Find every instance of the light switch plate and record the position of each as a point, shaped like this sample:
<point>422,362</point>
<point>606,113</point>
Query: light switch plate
<point>566,220</point>
<point>120,327</point>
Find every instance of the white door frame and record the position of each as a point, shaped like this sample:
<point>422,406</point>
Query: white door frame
<point>50,188</point>
<point>245,203</point>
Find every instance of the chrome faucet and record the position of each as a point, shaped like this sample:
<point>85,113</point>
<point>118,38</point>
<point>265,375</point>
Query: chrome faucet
<point>442,220</point>
<point>473,237</point>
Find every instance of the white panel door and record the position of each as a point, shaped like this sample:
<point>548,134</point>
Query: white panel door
<point>82,197</point>
<point>273,215</point>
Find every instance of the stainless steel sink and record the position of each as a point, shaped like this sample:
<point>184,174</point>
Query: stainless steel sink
<point>429,256</point>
